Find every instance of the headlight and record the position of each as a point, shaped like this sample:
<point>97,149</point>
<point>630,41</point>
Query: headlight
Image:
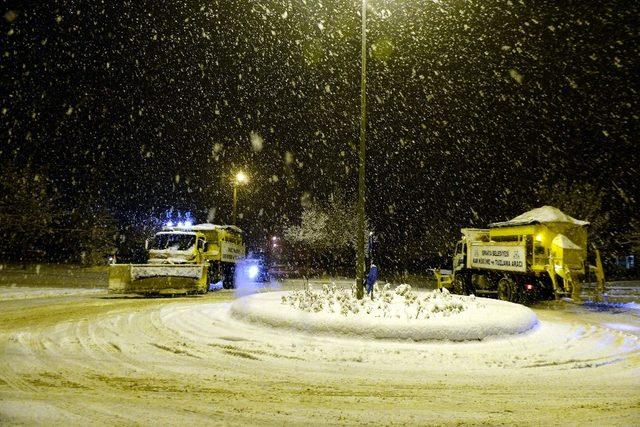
<point>253,271</point>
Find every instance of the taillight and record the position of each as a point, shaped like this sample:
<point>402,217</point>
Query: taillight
<point>528,286</point>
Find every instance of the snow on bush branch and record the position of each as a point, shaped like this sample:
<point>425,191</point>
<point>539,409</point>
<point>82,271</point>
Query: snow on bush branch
<point>400,303</point>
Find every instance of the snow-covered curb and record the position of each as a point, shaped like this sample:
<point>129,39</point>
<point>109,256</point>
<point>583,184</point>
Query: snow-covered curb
<point>16,292</point>
<point>489,319</point>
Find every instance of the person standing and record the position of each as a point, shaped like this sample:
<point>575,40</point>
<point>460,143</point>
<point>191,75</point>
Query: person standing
<point>372,277</point>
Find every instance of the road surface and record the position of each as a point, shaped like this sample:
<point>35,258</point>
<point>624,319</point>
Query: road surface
<point>85,357</point>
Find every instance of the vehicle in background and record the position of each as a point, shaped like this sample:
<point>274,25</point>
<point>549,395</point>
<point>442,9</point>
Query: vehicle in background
<point>540,254</point>
<point>182,259</point>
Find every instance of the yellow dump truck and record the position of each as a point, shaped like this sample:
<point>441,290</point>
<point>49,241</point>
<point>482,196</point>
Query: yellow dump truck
<point>182,259</point>
<point>540,254</point>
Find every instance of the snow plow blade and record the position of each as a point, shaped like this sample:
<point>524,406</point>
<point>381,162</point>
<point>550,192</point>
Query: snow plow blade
<point>148,279</point>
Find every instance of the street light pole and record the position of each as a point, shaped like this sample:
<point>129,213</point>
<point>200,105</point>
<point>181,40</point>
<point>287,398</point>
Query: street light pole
<point>235,200</point>
<point>360,269</point>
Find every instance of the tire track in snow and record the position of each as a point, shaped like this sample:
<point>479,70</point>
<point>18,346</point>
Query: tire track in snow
<point>120,359</point>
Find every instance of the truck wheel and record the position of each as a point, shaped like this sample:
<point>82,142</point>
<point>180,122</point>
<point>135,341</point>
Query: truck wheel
<point>470,289</point>
<point>558,294</point>
<point>229,276</point>
<point>506,289</point>
<point>213,273</point>
<point>210,277</point>
<point>458,286</point>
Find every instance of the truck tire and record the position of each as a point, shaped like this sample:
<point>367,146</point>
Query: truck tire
<point>469,289</point>
<point>559,292</point>
<point>229,276</point>
<point>558,295</point>
<point>213,273</point>
<point>458,285</point>
<point>507,289</point>
<point>227,282</point>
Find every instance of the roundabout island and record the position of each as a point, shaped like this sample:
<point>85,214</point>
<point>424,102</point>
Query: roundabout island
<point>393,314</point>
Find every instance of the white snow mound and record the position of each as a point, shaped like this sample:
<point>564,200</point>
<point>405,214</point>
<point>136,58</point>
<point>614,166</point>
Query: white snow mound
<point>400,314</point>
<point>542,215</point>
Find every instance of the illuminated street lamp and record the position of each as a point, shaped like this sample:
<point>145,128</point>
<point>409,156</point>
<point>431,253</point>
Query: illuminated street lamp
<point>240,178</point>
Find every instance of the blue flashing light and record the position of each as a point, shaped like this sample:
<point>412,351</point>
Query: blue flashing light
<point>188,224</point>
<point>170,224</point>
<point>253,271</point>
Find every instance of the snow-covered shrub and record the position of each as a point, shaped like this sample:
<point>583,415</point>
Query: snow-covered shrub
<point>399,303</point>
<point>403,289</point>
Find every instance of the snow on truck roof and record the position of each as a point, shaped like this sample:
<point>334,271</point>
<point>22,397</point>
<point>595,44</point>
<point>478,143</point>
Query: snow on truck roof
<point>541,215</point>
<point>172,231</point>
<point>209,227</point>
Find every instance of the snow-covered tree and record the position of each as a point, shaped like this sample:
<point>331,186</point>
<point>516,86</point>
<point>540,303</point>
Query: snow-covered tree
<point>96,236</point>
<point>327,231</point>
<point>312,231</point>
<point>633,237</point>
<point>329,226</point>
<point>27,214</point>
<point>35,226</point>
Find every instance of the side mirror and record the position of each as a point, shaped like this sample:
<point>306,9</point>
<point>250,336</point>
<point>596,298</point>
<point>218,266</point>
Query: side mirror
<point>205,247</point>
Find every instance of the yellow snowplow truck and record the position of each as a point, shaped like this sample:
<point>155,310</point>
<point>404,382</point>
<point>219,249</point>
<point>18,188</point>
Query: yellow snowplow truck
<point>540,254</point>
<point>182,260</point>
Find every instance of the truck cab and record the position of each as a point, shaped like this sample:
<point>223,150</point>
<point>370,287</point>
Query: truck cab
<point>177,247</point>
<point>459,255</point>
<point>461,249</point>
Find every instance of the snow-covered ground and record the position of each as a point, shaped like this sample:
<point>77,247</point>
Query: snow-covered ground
<point>188,360</point>
<point>15,292</point>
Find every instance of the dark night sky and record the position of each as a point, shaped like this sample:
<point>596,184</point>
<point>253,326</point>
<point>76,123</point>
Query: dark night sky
<point>146,105</point>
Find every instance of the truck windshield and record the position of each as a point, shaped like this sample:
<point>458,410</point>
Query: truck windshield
<point>173,241</point>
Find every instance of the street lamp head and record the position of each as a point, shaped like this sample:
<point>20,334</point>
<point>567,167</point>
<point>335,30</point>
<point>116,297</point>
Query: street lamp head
<point>241,178</point>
